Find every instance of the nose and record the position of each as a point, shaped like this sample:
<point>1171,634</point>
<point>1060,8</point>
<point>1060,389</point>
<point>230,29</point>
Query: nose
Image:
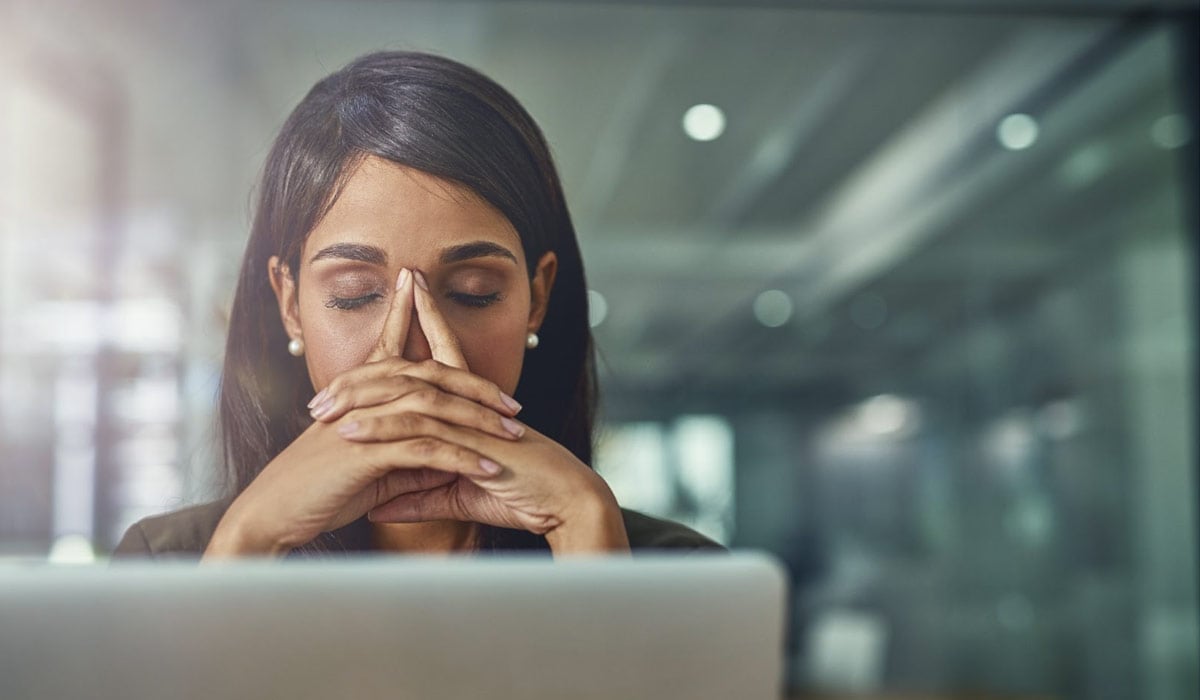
<point>416,346</point>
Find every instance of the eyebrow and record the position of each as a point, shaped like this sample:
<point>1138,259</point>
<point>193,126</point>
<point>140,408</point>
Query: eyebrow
<point>478,249</point>
<point>353,251</point>
<point>377,256</point>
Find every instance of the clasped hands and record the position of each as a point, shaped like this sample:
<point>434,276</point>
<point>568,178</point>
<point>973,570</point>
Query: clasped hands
<point>405,442</point>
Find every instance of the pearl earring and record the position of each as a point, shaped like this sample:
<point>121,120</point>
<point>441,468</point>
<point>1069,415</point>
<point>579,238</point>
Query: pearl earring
<point>531,341</point>
<point>296,347</point>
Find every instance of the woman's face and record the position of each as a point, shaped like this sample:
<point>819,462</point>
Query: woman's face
<point>390,217</point>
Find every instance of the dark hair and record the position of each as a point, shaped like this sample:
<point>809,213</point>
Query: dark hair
<point>448,120</point>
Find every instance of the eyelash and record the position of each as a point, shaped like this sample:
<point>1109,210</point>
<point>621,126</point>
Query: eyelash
<point>475,301</point>
<point>349,304</point>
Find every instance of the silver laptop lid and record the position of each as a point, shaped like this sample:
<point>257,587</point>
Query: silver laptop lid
<point>690,627</point>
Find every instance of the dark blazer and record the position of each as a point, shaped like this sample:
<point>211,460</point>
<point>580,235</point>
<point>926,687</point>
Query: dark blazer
<point>185,534</point>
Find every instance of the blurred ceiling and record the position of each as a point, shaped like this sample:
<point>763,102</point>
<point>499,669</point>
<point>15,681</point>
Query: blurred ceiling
<point>859,171</point>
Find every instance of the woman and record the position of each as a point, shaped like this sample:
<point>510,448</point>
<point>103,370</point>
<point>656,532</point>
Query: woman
<point>412,268</point>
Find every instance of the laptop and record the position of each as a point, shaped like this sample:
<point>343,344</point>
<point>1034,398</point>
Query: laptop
<point>656,627</point>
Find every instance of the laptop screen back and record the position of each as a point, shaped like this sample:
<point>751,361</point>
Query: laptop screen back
<point>661,627</point>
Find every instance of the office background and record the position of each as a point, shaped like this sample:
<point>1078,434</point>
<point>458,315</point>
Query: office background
<point>903,292</point>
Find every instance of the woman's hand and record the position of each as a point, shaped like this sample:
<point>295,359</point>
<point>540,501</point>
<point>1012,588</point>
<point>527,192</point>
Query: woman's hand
<point>322,482</point>
<point>530,483</point>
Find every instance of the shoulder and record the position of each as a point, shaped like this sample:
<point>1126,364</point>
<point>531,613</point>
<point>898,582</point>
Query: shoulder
<point>646,532</point>
<point>185,533</point>
<point>182,533</point>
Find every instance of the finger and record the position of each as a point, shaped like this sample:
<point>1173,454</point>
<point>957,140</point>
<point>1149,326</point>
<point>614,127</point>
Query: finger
<point>398,321</point>
<point>442,341</point>
<point>427,412</point>
<point>343,396</point>
<point>421,506</point>
<point>356,388</point>
<point>403,481</point>
<point>398,429</point>
<point>416,453</point>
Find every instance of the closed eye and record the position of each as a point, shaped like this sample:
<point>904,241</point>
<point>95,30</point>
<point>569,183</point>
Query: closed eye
<point>477,301</point>
<point>351,303</point>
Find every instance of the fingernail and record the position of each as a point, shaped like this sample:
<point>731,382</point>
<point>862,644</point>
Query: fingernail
<point>510,402</point>
<point>323,407</point>
<point>513,427</point>
<point>489,466</point>
<point>421,280</point>
<point>318,398</point>
<point>403,278</point>
<point>348,429</point>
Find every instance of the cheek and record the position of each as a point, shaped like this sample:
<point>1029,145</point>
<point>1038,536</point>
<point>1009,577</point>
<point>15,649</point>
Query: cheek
<point>493,347</point>
<point>336,341</point>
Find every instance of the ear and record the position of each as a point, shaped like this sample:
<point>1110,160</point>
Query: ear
<point>539,290</point>
<point>284,284</point>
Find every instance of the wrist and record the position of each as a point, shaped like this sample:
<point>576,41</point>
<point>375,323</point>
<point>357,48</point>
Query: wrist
<point>593,525</point>
<point>238,536</point>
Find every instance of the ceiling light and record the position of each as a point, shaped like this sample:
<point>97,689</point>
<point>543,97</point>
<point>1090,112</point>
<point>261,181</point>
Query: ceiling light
<point>773,308</point>
<point>1008,442</point>
<point>704,122</point>
<point>887,414</point>
<point>1017,132</point>
<point>1170,131</point>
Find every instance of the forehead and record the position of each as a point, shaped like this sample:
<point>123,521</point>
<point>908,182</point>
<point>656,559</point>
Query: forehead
<point>410,214</point>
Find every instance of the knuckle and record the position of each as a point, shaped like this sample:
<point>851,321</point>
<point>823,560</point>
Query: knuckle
<point>460,455</point>
<point>490,418</point>
<point>412,423</point>
<point>436,399</point>
<point>345,399</point>
<point>403,383</point>
<point>489,388</point>
<point>424,397</point>
<point>425,447</point>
